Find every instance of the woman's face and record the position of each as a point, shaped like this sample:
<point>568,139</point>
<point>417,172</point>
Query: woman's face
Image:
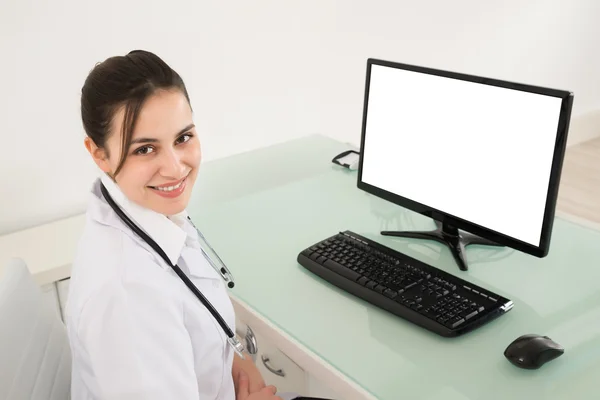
<point>164,156</point>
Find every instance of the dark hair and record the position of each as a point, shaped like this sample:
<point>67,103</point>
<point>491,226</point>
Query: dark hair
<point>123,81</point>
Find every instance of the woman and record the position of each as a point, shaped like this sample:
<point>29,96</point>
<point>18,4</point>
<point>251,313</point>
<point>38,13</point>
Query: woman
<point>136,330</point>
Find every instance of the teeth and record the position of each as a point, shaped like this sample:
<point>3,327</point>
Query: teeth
<point>170,188</point>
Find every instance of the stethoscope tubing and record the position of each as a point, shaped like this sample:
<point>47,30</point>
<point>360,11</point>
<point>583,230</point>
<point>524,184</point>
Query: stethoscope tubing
<point>175,267</point>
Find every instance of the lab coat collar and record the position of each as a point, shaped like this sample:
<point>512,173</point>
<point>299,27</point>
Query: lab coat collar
<point>181,220</point>
<point>166,233</point>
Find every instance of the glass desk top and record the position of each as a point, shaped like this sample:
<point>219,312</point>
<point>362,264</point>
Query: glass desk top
<point>260,209</point>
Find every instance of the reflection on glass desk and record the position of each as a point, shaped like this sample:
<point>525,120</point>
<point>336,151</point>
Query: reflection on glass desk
<point>261,208</point>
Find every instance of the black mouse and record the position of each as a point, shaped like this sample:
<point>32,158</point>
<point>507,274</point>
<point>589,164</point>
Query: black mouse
<point>532,351</point>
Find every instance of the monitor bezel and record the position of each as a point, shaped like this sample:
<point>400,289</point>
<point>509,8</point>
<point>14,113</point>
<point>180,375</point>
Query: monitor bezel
<point>555,173</point>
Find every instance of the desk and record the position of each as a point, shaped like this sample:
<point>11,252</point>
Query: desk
<point>261,208</point>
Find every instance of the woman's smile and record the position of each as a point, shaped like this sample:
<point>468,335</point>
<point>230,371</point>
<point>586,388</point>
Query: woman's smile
<point>170,190</point>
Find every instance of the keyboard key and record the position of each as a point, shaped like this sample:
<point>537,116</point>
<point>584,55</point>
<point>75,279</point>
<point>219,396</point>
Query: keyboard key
<point>454,322</point>
<point>371,284</point>
<point>390,293</point>
<point>430,313</point>
<point>380,288</point>
<point>468,315</point>
<point>363,280</point>
<point>338,268</point>
<point>394,286</point>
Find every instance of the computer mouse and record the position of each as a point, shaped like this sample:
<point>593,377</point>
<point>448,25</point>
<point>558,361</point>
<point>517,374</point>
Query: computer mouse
<point>532,351</point>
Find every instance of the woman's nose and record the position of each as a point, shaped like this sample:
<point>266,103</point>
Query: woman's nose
<point>172,165</point>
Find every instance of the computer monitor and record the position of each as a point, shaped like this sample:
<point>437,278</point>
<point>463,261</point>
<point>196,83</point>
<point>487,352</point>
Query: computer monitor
<point>480,156</point>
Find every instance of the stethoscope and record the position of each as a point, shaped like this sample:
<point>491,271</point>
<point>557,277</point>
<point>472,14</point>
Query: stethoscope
<point>238,347</point>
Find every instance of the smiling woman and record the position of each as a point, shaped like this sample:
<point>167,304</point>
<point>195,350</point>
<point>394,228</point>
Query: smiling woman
<point>142,137</point>
<point>135,330</point>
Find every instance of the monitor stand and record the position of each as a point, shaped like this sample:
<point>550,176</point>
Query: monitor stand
<point>449,235</point>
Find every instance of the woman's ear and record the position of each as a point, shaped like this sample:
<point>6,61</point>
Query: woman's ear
<point>99,155</point>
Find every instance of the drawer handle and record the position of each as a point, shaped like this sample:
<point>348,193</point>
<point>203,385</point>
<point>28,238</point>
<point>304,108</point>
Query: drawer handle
<point>265,360</point>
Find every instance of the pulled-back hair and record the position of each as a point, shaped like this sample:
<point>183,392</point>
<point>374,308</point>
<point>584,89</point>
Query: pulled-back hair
<point>123,81</point>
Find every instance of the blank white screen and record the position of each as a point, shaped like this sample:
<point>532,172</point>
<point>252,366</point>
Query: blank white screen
<point>478,152</point>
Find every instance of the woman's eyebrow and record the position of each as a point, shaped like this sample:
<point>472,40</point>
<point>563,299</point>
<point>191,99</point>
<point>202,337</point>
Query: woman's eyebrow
<point>151,140</point>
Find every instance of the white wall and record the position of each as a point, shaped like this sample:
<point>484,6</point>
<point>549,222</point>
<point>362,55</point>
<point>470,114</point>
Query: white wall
<point>259,72</point>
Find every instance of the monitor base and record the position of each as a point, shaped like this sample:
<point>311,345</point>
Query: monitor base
<point>449,235</point>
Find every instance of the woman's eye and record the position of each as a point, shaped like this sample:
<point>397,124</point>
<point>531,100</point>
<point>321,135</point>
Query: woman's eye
<point>184,138</point>
<point>144,150</point>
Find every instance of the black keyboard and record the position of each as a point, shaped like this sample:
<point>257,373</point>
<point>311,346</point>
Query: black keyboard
<point>402,285</point>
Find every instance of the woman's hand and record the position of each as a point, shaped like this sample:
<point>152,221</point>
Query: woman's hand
<point>256,381</point>
<point>243,391</point>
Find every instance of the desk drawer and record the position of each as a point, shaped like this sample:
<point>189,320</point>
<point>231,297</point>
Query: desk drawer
<point>275,367</point>
<point>278,369</point>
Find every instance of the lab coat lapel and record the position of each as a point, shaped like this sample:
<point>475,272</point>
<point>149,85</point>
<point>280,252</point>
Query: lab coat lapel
<point>197,265</point>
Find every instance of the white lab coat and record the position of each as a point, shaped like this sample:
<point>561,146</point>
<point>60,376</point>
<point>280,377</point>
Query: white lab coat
<point>136,331</point>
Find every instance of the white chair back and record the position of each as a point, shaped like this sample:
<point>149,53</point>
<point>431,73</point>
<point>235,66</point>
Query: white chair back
<point>35,358</point>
